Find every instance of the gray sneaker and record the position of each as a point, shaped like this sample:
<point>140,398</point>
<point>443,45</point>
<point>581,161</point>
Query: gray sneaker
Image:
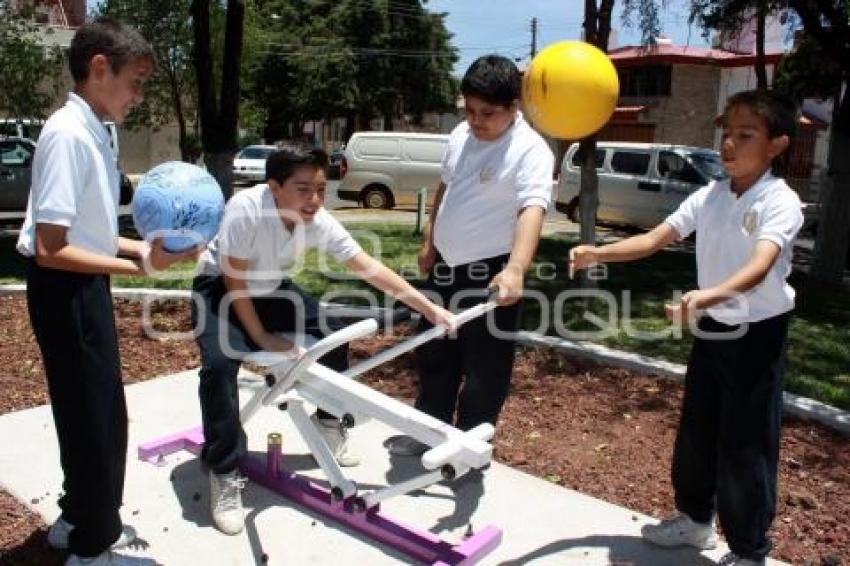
<point>57,535</point>
<point>407,446</point>
<point>336,437</point>
<point>681,530</point>
<point>732,559</point>
<point>226,502</point>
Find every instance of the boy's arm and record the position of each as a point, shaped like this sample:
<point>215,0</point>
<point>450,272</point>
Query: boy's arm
<point>381,277</point>
<point>511,279</point>
<point>427,252</point>
<point>243,306</point>
<point>753,273</point>
<point>53,250</point>
<point>636,247</point>
<point>134,249</point>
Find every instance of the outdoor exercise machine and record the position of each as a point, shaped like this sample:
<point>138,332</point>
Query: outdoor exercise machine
<point>290,383</point>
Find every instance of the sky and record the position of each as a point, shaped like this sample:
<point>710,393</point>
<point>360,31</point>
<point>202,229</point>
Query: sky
<point>504,26</point>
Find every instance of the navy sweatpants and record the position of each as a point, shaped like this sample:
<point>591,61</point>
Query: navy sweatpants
<point>74,324</point>
<point>727,448</point>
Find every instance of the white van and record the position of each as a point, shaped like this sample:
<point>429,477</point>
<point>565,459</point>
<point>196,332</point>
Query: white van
<point>387,169</point>
<point>640,184</point>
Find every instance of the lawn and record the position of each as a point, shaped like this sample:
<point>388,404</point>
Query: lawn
<point>819,361</point>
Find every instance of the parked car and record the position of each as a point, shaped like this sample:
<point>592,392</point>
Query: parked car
<point>387,169</point>
<point>249,165</point>
<point>16,156</point>
<point>640,184</point>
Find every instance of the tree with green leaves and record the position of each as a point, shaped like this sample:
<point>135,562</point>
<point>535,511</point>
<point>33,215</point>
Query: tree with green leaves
<point>354,58</point>
<point>170,94</point>
<point>29,72</point>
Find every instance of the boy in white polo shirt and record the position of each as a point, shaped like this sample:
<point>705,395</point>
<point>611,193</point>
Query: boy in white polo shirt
<point>244,299</point>
<point>496,187</point>
<point>727,447</point>
<point>71,235</point>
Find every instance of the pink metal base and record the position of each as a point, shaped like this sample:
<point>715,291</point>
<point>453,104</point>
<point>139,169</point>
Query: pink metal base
<point>420,545</point>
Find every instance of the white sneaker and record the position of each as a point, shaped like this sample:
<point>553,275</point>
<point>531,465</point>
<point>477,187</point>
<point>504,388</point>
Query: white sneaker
<point>732,559</point>
<point>336,437</point>
<point>226,501</point>
<point>109,558</point>
<point>680,530</point>
<point>407,446</point>
<point>57,536</point>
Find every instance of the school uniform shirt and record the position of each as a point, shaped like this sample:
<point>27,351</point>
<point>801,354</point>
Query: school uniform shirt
<point>727,230</point>
<point>75,181</point>
<point>252,230</point>
<point>487,184</point>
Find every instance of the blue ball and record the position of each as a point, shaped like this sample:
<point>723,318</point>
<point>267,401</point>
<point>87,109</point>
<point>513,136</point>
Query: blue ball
<point>179,202</point>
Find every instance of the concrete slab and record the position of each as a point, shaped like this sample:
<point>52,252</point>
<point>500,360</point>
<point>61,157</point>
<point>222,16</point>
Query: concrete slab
<point>168,504</point>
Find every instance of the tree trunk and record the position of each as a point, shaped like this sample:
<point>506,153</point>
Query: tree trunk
<point>220,166</point>
<point>218,125</point>
<point>597,29</point>
<point>760,66</point>
<point>832,237</point>
<point>388,121</point>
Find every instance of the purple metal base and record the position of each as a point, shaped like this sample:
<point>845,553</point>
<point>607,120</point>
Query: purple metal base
<point>420,545</point>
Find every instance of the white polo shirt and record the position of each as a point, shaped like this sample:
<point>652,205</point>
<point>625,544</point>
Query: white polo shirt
<point>487,185</point>
<point>252,230</point>
<point>75,181</point>
<point>727,230</point>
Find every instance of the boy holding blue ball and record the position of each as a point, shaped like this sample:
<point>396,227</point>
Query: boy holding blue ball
<point>244,299</point>
<point>71,237</point>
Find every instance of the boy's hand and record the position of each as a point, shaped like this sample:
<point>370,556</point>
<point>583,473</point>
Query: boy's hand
<point>688,308</point>
<point>426,258</point>
<point>582,257</point>
<point>271,342</point>
<point>438,316</point>
<point>158,258</point>
<point>509,283</point>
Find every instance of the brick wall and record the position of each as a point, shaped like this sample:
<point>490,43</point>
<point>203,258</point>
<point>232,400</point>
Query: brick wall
<point>685,117</point>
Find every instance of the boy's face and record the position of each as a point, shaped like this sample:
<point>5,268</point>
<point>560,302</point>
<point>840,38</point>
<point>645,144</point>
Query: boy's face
<point>488,121</point>
<point>114,95</point>
<point>301,195</point>
<point>747,149</point>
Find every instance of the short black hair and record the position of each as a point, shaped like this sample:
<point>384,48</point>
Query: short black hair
<point>494,79</point>
<point>282,162</point>
<point>779,112</point>
<point>119,43</point>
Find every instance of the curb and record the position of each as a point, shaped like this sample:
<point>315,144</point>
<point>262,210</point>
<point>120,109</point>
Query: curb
<point>795,405</point>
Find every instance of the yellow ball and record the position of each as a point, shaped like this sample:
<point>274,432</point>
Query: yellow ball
<point>570,90</point>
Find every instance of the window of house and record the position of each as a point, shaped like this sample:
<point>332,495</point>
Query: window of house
<point>630,162</point>
<point>653,80</point>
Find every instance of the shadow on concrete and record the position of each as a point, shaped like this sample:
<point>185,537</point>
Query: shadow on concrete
<point>623,551</point>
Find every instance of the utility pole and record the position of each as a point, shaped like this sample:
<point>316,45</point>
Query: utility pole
<point>533,37</point>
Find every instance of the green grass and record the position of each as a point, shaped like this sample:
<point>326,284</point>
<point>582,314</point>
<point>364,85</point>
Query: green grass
<point>819,360</point>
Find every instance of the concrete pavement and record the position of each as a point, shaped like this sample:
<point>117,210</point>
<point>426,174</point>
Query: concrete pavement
<point>542,522</point>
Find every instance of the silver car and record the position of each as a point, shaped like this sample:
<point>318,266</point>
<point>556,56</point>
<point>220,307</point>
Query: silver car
<point>640,184</point>
<point>249,165</point>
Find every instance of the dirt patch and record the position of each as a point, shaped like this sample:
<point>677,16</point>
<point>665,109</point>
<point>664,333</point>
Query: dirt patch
<point>605,432</point>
